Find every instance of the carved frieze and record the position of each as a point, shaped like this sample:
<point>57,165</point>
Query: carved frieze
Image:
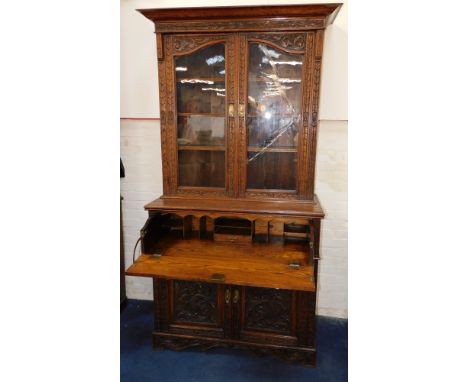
<point>241,25</point>
<point>270,194</point>
<point>195,193</point>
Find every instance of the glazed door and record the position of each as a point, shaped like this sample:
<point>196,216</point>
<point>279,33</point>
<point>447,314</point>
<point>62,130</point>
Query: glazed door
<point>274,103</point>
<point>239,119</point>
<point>196,68</point>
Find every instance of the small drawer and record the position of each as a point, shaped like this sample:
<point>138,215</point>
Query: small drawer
<point>226,238</point>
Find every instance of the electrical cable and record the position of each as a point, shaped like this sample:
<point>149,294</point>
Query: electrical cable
<point>134,249</point>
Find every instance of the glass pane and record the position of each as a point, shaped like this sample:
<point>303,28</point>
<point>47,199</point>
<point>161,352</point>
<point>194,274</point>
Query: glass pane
<point>201,81</point>
<point>272,170</point>
<point>201,98</point>
<point>199,168</point>
<point>274,110</point>
<point>263,132</point>
<point>200,130</point>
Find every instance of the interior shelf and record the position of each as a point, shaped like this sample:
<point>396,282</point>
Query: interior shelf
<point>208,79</point>
<point>273,149</point>
<point>248,264</point>
<point>187,114</point>
<point>194,147</point>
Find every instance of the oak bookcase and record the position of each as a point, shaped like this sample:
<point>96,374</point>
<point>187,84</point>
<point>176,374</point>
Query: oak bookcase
<point>233,244</point>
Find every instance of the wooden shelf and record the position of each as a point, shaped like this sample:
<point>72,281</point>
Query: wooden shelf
<point>261,115</point>
<point>201,114</point>
<point>201,148</point>
<point>273,149</point>
<point>214,79</point>
<point>264,80</point>
<point>248,264</point>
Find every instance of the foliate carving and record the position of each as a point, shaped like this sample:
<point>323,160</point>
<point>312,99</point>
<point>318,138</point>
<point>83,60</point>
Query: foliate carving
<point>316,89</point>
<point>200,193</point>
<point>195,302</point>
<point>231,85</point>
<point>244,25</point>
<point>242,128</point>
<point>289,41</point>
<point>268,309</point>
<point>171,128</point>
<point>269,194</point>
<point>184,44</point>
<point>163,123</point>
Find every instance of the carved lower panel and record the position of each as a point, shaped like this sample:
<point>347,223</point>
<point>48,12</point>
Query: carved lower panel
<point>291,354</point>
<point>195,302</point>
<point>268,309</point>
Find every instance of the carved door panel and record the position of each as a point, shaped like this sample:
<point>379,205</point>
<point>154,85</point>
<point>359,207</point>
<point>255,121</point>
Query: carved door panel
<point>196,308</point>
<point>268,315</point>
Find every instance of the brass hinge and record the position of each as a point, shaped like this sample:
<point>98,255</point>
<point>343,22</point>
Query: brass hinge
<point>241,110</point>
<point>231,110</point>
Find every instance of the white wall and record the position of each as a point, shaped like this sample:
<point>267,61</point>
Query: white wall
<point>141,154</point>
<point>138,62</point>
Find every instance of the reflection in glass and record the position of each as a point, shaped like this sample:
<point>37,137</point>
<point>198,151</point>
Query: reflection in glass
<point>201,99</point>
<point>200,80</point>
<point>274,111</point>
<point>200,130</point>
<point>263,132</point>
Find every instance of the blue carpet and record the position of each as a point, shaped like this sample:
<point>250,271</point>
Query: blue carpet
<point>140,363</point>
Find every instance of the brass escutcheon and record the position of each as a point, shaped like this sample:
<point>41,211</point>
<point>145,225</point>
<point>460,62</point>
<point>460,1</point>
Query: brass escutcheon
<point>235,299</point>
<point>218,277</point>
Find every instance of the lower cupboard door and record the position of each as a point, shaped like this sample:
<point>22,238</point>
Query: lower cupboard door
<point>196,308</point>
<point>268,316</point>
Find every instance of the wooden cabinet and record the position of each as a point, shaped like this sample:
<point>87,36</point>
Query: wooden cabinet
<point>233,244</point>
